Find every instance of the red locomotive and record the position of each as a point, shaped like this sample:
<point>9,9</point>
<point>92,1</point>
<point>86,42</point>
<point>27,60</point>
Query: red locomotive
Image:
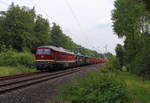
<point>51,57</point>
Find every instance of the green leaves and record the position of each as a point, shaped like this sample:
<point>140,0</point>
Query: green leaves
<point>12,58</point>
<point>96,88</point>
<point>120,54</point>
<point>131,20</point>
<point>60,39</point>
<point>19,28</point>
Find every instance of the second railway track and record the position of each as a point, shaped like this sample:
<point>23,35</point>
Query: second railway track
<point>22,81</point>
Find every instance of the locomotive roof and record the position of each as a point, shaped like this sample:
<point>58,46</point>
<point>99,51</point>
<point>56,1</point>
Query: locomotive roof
<point>59,49</point>
<point>79,54</point>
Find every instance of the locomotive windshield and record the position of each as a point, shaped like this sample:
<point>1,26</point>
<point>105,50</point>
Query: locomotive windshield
<point>39,51</point>
<point>47,51</point>
<point>43,51</point>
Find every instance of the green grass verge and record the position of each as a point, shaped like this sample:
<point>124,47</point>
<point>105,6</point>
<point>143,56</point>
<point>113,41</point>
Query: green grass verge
<point>96,88</point>
<point>5,71</point>
<point>138,89</point>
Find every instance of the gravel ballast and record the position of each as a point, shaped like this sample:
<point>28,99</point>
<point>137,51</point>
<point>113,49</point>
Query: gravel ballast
<point>46,91</point>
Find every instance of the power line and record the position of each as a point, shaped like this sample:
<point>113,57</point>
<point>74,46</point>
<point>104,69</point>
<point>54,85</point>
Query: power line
<point>32,1</point>
<point>73,13</point>
<point>74,16</point>
<point>47,14</point>
<point>77,20</point>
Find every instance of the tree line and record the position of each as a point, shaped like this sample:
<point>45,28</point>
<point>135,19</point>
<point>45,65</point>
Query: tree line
<point>131,21</point>
<point>22,29</point>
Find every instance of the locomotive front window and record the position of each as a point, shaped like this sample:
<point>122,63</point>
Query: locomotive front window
<point>39,51</point>
<point>47,51</point>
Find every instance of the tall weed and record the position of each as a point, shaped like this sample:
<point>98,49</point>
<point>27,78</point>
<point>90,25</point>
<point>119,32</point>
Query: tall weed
<point>13,58</point>
<point>97,88</point>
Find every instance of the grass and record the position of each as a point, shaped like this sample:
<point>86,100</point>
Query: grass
<point>138,89</point>
<point>98,87</point>
<point>5,70</point>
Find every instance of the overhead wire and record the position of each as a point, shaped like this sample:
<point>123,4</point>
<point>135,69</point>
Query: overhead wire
<point>78,22</point>
<point>35,4</point>
<point>72,12</point>
<point>44,11</point>
<point>68,4</point>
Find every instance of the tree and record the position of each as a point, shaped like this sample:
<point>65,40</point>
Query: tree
<point>147,3</point>
<point>42,31</point>
<point>131,20</point>
<point>120,54</point>
<point>61,40</point>
<point>21,28</point>
<point>57,35</point>
<point>17,27</point>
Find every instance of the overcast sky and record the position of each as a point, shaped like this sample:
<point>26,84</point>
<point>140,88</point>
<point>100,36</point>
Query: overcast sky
<point>87,22</point>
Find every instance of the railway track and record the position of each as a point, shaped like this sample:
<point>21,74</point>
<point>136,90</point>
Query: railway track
<point>16,82</point>
<point>18,75</point>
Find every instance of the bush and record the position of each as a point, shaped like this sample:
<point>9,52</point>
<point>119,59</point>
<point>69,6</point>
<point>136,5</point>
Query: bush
<point>13,58</point>
<point>113,63</point>
<point>141,64</point>
<point>5,71</point>
<point>124,69</point>
<point>96,88</point>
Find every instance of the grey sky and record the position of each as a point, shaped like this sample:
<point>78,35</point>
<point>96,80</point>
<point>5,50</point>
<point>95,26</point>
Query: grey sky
<point>88,25</point>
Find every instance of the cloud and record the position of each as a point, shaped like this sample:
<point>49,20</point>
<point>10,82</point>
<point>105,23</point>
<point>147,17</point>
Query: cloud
<point>106,20</point>
<point>94,17</point>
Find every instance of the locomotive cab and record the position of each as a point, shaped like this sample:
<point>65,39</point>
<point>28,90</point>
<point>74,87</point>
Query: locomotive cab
<point>44,59</point>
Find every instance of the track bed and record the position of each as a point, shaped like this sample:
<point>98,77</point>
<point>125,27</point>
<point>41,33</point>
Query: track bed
<point>40,87</point>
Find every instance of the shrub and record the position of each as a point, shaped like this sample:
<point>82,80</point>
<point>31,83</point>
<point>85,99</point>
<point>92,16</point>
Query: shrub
<point>141,64</point>
<point>13,58</point>
<point>15,70</point>
<point>96,88</point>
<point>113,63</point>
<point>124,69</point>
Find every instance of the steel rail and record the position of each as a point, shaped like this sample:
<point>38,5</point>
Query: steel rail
<point>32,81</point>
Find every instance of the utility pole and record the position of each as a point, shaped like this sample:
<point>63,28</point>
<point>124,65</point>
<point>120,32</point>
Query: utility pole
<point>106,48</point>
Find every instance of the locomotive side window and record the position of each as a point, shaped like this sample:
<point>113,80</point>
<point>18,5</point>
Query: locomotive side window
<point>39,51</point>
<point>47,51</point>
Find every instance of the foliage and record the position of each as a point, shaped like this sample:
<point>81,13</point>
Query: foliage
<point>113,64</point>
<point>131,20</point>
<point>120,54</point>
<point>138,89</point>
<point>13,58</point>
<point>147,3</point>
<point>141,64</point>
<point>107,55</point>
<point>61,40</point>
<point>41,31</point>
<point>96,88</point>
<point>21,28</point>
<point>133,11</point>
<point>5,71</point>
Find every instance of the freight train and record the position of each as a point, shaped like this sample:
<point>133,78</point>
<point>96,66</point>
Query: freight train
<point>49,58</point>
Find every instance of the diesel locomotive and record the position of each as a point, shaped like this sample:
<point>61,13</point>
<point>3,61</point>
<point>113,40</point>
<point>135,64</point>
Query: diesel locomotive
<point>49,58</point>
